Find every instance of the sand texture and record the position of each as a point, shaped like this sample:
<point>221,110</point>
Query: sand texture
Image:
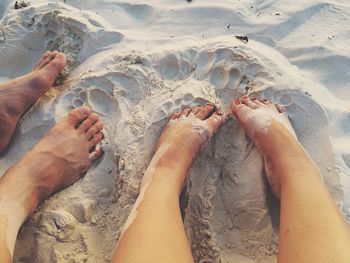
<point>134,64</point>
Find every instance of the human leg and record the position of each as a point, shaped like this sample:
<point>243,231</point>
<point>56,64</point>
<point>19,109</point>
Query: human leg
<point>154,231</point>
<point>56,162</point>
<point>312,228</point>
<point>18,95</point>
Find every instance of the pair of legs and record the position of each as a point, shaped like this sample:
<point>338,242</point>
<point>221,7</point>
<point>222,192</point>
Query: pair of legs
<point>56,162</point>
<point>311,227</point>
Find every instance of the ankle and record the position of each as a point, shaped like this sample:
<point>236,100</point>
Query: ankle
<point>173,156</point>
<point>290,163</point>
<point>168,168</point>
<point>277,138</point>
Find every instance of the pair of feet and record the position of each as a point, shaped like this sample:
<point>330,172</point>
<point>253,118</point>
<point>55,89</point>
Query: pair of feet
<point>69,147</point>
<point>65,152</point>
<point>188,131</point>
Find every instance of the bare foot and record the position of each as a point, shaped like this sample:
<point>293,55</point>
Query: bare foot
<point>184,136</point>
<point>262,122</point>
<point>56,162</point>
<point>18,95</point>
<point>59,159</point>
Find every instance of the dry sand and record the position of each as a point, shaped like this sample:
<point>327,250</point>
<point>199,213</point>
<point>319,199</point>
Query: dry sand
<point>135,63</point>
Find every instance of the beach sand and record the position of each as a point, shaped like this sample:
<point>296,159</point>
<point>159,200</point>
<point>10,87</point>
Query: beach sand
<point>134,63</point>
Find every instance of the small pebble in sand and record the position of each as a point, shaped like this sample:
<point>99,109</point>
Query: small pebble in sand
<point>243,39</point>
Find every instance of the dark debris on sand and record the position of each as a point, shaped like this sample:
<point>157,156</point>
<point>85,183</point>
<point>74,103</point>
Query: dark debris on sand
<point>21,4</point>
<point>243,39</point>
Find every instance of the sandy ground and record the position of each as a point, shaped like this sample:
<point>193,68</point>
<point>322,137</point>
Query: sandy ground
<point>135,62</point>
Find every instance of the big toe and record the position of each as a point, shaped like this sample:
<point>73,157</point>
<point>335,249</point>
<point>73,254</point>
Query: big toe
<point>57,64</point>
<point>45,58</point>
<point>206,111</point>
<point>240,111</point>
<point>280,108</point>
<point>75,117</point>
<point>248,101</point>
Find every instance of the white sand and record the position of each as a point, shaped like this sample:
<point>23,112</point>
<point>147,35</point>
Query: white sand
<point>134,63</point>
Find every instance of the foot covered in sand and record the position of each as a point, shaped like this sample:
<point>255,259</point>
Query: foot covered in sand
<point>262,122</point>
<point>186,133</point>
<point>18,95</point>
<point>59,159</point>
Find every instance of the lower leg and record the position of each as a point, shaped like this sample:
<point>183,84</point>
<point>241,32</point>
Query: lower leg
<point>56,162</point>
<point>154,231</point>
<point>312,229</point>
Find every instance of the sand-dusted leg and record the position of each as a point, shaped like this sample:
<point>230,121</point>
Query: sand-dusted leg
<point>56,162</point>
<point>312,228</point>
<point>154,231</point>
<point>18,95</point>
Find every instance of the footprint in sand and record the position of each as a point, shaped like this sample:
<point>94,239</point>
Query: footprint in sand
<point>52,26</point>
<point>98,100</point>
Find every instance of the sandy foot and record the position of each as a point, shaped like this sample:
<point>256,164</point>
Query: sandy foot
<point>56,162</point>
<point>187,132</point>
<point>259,118</point>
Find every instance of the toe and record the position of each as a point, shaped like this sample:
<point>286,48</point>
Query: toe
<point>234,105</point>
<point>216,120</point>
<point>97,127</point>
<point>89,122</point>
<point>56,64</point>
<point>40,61</point>
<point>240,110</point>
<point>257,101</point>
<point>265,101</point>
<point>185,112</point>
<point>205,111</point>
<point>175,115</point>
<point>78,115</point>
<point>195,110</point>
<point>47,60</point>
<point>280,108</point>
<point>268,103</point>
<point>95,155</point>
<point>96,139</point>
<point>247,101</point>
<point>254,99</point>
